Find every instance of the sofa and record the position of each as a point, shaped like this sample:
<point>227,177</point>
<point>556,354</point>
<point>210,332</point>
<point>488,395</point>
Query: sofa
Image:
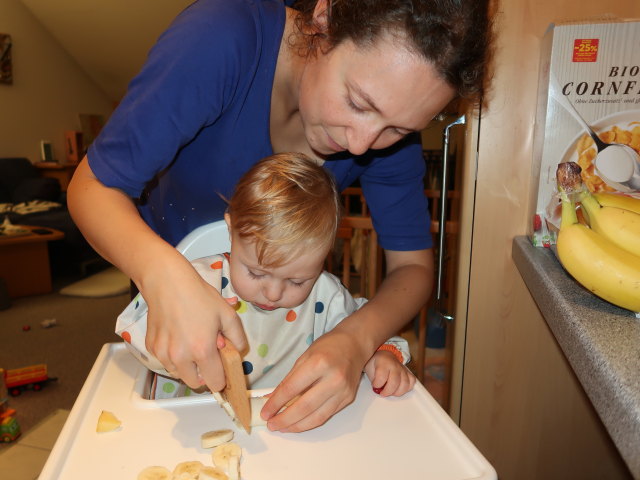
<point>27,198</point>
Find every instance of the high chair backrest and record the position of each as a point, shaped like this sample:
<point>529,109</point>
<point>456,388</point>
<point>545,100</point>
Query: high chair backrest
<point>209,239</point>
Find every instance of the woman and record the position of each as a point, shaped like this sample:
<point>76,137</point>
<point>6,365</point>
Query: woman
<point>348,83</point>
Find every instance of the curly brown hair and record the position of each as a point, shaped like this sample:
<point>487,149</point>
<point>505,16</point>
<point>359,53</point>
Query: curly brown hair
<point>453,35</point>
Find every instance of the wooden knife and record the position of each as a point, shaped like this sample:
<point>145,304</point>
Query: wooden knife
<point>236,390</point>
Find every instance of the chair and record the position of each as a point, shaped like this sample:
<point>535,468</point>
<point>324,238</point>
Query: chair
<point>361,256</point>
<point>353,202</point>
<point>363,281</point>
<point>363,278</point>
<point>213,238</point>
<point>206,240</point>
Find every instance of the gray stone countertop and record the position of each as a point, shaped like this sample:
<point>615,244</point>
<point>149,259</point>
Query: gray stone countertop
<point>600,341</point>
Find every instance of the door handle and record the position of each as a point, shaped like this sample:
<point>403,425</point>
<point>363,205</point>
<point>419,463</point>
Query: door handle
<point>438,308</point>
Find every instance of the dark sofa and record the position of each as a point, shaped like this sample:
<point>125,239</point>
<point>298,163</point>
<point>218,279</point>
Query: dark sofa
<point>30,199</point>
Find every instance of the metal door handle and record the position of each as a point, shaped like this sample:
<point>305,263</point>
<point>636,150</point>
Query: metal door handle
<point>443,219</point>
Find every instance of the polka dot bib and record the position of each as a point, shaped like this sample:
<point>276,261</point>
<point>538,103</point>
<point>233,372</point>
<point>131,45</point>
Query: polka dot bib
<point>276,338</point>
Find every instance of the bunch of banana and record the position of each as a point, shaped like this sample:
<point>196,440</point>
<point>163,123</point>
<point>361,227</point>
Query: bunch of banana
<point>621,201</point>
<point>618,225</point>
<point>605,256</point>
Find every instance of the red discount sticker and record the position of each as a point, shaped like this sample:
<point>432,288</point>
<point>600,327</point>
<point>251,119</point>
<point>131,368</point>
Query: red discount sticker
<point>585,49</point>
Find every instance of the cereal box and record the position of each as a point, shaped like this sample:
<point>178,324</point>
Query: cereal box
<point>589,78</point>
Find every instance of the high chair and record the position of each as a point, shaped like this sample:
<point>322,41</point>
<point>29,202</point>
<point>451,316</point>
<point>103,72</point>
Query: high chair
<point>421,433</point>
<point>361,276</point>
<point>209,239</point>
<point>213,238</point>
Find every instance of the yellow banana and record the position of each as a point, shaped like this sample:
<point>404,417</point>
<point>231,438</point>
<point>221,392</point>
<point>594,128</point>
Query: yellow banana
<point>621,227</point>
<point>620,201</point>
<point>608,271</point>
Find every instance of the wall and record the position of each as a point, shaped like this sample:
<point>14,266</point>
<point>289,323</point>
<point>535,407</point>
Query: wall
<point>49,88</point>
<point>520,402</point>
<point>128,27</point>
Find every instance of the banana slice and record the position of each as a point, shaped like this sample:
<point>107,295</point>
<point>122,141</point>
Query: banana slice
<point>107,422</point>
<point>215,438</point>
<point>185,476</point>
<point>229,409</point>
<point>234,467</point>
<point>256,406</point>
<point>218,397</point>
<point>155,473</point>
<point>222,453</point>
<point>237,423</point>
<point>191,468</point>
<point>212,473</point>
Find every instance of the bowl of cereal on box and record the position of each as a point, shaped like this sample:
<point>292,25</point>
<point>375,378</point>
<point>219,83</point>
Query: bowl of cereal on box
<point>607,172</point>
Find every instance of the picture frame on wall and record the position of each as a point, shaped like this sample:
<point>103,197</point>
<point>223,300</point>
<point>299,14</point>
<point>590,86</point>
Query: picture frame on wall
<point>6,69</point>
<point>46,151</point>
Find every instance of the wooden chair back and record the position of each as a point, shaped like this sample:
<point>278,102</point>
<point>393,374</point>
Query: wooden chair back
<point>358,259</point>
<point>361,261</point>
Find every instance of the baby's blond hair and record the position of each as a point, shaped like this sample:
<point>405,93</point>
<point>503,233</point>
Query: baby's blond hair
<point>288,204</point>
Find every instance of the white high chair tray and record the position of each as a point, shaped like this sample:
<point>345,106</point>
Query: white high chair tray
<point>410,437</point>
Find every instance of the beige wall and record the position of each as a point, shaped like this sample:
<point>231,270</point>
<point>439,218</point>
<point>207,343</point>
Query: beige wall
<point>49,88</point>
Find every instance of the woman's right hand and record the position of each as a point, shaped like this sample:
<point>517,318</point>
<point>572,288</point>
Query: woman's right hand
<point>185,313</point>
<point>184,318</point>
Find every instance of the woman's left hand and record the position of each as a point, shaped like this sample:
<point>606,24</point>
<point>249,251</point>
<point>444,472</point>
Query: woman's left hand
<point>326,379</point>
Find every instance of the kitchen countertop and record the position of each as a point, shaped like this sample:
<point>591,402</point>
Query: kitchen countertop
<point>601,343</point>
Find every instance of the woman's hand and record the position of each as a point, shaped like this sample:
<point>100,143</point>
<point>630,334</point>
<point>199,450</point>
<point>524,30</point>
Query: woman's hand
<point>185,313</point>
<point>185,317</point>
<point>388,376</point>
<point>326,378</point>
<point>327,375</point>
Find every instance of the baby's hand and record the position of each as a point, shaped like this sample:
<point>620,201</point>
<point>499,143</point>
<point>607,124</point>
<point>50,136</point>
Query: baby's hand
<point>388,376</point>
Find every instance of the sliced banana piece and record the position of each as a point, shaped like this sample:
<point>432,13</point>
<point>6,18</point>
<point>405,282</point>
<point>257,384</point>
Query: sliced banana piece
<point>234,467</point>
<point>218,397</point>
<point>212,473</point>
<point>216,437</point>
<point>107,422</point>
<point>191,468</point>
<point>185,476</point>
<point>256,406</point>
<point>237,423</point>
<point>229,409</point>
<point>222,453</point>
<point>155,473</point>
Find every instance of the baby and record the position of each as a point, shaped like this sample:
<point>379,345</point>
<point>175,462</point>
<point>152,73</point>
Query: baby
<point>282,221</point>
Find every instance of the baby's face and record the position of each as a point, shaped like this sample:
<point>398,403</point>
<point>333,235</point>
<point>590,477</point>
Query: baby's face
<point>268,288</point>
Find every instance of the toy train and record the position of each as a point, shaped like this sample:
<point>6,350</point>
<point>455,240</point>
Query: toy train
<point>33,377</point>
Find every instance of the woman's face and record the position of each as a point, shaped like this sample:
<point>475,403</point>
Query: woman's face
<point>359,99</point>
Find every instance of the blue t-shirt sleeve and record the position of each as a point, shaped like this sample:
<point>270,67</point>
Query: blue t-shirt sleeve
<point>393,186</point>
<point>191,74</point>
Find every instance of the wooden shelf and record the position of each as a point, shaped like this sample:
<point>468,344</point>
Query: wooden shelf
<point>24,262</point>
<point>61,171</point>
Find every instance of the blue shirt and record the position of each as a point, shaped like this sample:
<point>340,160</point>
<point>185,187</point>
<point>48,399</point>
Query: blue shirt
<point>197,117</point>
